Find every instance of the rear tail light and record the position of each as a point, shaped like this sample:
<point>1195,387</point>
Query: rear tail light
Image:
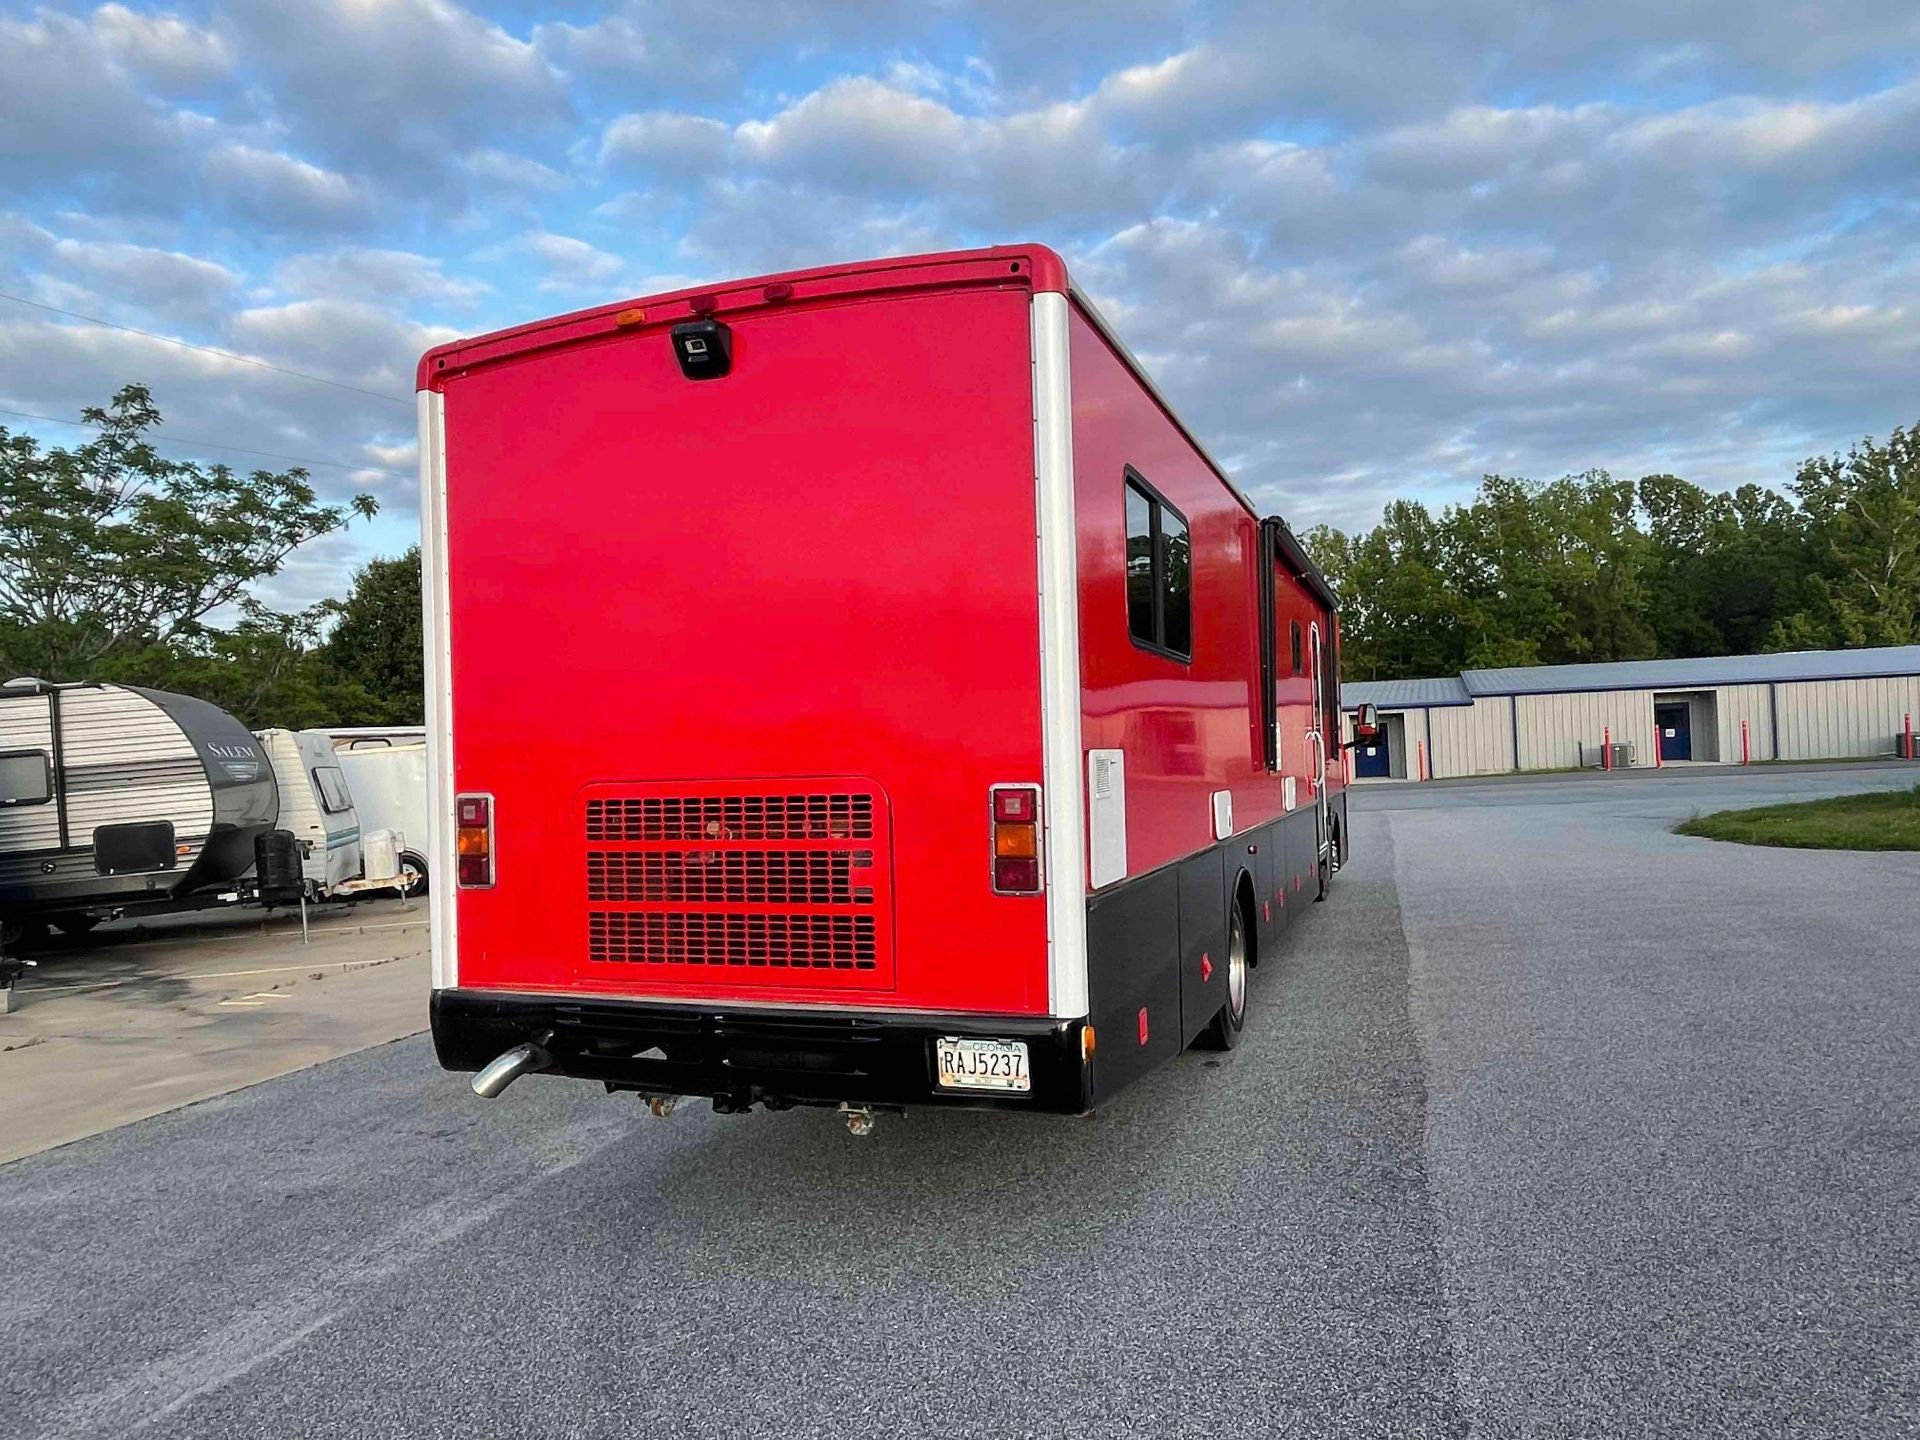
<point>473,841</point>
<point>1016,839</point>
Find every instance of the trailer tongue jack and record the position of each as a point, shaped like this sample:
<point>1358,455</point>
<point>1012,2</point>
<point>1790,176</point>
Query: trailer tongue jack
<point>509,1066</point>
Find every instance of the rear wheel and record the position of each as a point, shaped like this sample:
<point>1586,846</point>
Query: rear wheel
<point>1225,1030</point>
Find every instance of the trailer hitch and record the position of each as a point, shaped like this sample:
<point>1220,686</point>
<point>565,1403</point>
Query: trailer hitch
<point>510,1065</point>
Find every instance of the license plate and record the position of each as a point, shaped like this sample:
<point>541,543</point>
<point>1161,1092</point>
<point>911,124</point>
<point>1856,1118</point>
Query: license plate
<point>982,1064</point>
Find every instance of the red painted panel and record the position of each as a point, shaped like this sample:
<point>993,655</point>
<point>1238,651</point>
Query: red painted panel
<point>1188,729</point>
<point>821,565</point>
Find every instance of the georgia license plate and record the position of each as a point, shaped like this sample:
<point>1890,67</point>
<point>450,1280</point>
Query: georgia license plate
<point>982,1064</point>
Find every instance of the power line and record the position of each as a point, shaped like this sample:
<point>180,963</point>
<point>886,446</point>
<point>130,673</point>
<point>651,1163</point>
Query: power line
<point>205,349</point>
<point>217,445</point>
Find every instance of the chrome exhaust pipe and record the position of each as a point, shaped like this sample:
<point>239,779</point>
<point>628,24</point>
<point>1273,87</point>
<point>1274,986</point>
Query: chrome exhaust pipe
<point>504,1069</point>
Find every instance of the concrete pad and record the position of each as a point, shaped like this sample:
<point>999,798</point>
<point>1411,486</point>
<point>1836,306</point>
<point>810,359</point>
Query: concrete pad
<point>142,1020</point>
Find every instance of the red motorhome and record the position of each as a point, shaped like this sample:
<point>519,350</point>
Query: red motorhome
<point>856,687</point>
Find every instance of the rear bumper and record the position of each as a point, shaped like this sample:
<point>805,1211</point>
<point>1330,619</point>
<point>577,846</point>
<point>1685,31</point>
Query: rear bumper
<point>743,1056</point>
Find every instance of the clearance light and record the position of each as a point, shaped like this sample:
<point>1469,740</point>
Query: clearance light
<point>1016,839</point>
<point>473,841</point>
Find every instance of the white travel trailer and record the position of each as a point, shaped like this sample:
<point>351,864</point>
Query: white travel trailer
<point>343,850</point>
<point>376,737</point>
<point>117,798</point>
<point>317,806</point>
<point>389,787</point>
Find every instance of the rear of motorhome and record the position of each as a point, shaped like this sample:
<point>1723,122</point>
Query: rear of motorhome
<point>116,797</point>
<point>941,725</point>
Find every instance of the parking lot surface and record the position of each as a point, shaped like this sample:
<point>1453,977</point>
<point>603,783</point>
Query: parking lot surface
<point>1552,1123</point>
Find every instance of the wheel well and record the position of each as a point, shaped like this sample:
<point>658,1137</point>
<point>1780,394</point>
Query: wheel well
<point>1249,916</point>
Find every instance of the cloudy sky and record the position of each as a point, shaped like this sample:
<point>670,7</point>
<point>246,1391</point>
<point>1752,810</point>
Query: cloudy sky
<point>1371,248</point>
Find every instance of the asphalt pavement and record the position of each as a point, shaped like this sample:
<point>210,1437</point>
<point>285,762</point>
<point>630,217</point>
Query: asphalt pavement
<point>1552,1123</point>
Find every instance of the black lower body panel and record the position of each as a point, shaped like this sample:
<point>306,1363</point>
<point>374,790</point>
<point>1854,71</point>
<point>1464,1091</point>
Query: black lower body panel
<point>746,1056</point>
<point>1156,943</point>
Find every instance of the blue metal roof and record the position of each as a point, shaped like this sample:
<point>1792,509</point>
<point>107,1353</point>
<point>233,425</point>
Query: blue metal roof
<point>1405,694</point>
<point>1639,675</point>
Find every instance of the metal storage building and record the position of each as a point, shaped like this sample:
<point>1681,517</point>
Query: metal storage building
<point>1799,705</point>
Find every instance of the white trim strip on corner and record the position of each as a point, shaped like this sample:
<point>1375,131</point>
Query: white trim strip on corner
<point>1059,660</point>
<point>442,930</point>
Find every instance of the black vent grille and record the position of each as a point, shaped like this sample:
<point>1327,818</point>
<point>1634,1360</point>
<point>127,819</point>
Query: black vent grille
<point>731,877</point>
<point>767,941</point>
<point>732,817</point>
<point>789,883</point>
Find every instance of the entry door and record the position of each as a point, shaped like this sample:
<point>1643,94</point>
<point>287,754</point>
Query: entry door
<point>1373,759</point>
<point>1674,722</point>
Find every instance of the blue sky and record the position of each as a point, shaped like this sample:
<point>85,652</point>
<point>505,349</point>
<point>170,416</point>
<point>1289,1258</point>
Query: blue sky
<point>1370,249</point>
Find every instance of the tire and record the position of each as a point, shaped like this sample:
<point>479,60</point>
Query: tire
<point>1326,865</point>
<point>74,926</point>
<point>414,865</point>
<point>22,934</point>
<point>1224,1030</point>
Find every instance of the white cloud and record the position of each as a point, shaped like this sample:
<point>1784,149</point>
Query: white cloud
<point>382,276</point>
<point>281,193</point>
<point>666,142</point>
<point>502,170</point>
<point>569,263</point>
<point>401,86</point>
<point>71,113</point>
<point>349,340</point>
<point>174,54</point>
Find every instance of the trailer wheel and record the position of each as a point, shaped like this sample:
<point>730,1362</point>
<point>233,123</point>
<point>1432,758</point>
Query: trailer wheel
<point>1223,1033</point>
<point>414,866</point>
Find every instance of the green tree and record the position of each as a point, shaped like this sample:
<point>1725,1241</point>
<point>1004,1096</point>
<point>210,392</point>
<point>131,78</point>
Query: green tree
<point>376,641</point>
<point>1596,562</point>
<point>1862,512</point>
<point>108,548</point>
<point>264,669</point>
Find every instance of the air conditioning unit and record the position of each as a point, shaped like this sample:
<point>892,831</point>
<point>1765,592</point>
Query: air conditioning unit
<point>1593,757</point>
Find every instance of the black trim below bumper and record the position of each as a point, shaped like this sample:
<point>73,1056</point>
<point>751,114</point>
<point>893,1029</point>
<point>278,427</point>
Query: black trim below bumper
<point>743,1056</point>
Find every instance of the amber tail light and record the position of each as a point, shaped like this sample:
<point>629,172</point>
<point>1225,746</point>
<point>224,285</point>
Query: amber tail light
<point>473,841</point>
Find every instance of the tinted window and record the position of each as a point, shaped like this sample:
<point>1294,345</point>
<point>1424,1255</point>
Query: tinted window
<point>332,785</point>
<point>26,778</point>
<point>1159,573</point>
<point>1298,663</point>
<point>1176,584</point>
<point>1140,619</point>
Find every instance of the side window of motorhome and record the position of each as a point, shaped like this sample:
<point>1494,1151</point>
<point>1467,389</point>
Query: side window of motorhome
<point>1297,661</point>
<point>26,778</point>
<point>1140,567</point>
<point>1159,573</point>
<point>334,796</point>
<point>1176,583</point>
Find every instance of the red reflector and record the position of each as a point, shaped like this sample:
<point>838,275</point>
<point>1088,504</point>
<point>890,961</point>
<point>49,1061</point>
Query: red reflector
<point>474,870</point>
<point>1015,807</point>
<point>473,810</point>
<point>1021,876</point>
<point>1143,1026</point>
